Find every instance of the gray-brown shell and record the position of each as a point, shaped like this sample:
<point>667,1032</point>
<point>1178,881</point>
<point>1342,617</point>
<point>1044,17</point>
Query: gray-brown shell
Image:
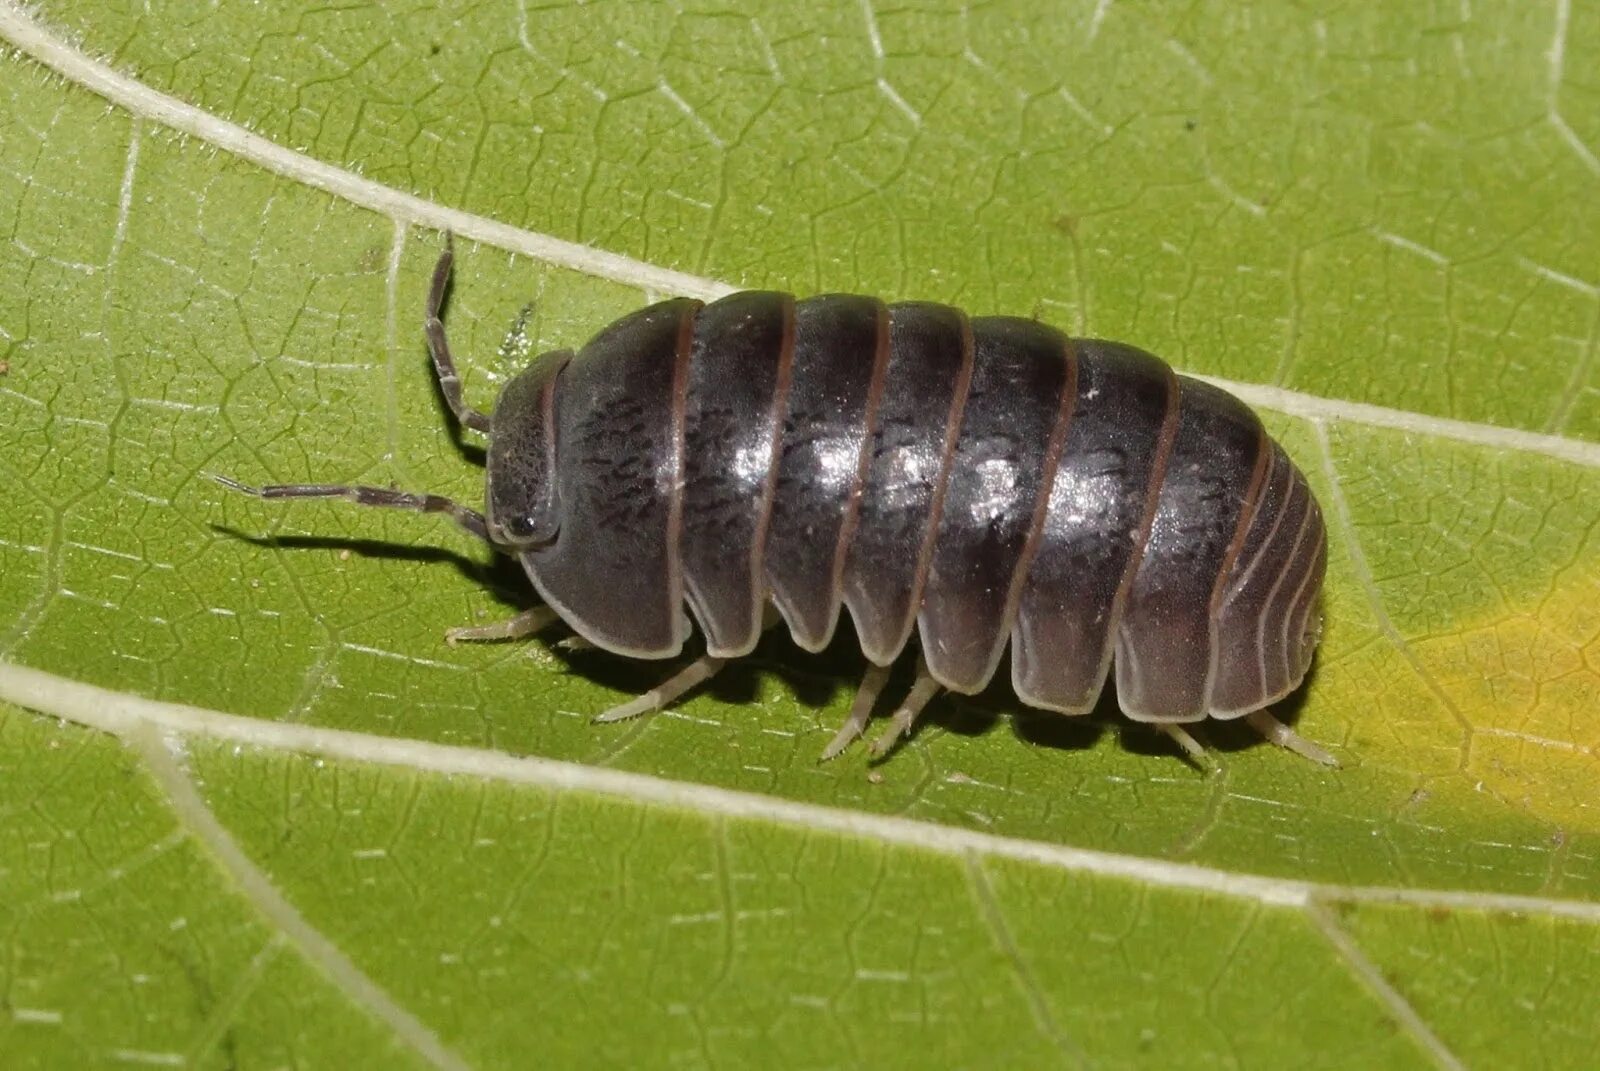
<point>984,481</point>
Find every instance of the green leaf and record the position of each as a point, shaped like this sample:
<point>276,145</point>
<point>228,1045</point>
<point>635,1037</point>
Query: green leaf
<point>257,813</point>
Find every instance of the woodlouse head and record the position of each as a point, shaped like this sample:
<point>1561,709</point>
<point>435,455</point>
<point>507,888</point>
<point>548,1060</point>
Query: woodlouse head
<point>522,503</point>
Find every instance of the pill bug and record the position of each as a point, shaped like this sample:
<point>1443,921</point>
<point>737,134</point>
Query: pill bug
<point>977,481</point>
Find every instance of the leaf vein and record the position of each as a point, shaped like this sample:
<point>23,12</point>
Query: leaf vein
<point>993,916</point>
<point>156,748</point>
<point>1371,977</point>
<point>122,714</point>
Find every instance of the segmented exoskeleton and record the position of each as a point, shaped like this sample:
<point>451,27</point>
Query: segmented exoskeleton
<point>977,481</point>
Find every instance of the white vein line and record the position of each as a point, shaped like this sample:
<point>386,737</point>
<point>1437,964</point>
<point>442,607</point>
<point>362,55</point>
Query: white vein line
<point>1503,903</point>
<point>1000,931</point>
<point>29,37</point>
<point>35,41</point>
<point>1432,256</point>
<point>120,713</point>
<point>193,813</point>
<point>220,1016</point>
<point>1557,55</point>
<point>884,85</point>
<point>1374,980</point>
<point>125,193</point>
<point>1101,8</point>
<point>665,89</point>
<point>1582,369</point>
<point>1560,278</point>
<point>1313,408</point>
<point>1537,741</point>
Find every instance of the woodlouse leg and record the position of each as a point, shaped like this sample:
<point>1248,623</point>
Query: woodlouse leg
<point>1191,747</point>
<point>577,643</point>
<point>444,365</point>
<point>1285,737</point>
<point>922,690</point>
<point>524,624</point>
<point>469,519</point>
<point>856,724</point>
<point>697,672</point>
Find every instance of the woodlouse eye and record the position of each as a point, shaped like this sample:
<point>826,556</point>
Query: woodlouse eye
<point>519,529</point>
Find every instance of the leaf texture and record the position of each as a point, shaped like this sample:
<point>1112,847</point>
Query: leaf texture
<point>258,814</point>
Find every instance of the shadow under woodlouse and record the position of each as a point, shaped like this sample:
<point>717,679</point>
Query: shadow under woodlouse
<point>818,681</point>
<point>822,681</point>
<point>499,575</point>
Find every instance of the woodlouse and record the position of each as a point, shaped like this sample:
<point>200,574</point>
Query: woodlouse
<point>978,480</point>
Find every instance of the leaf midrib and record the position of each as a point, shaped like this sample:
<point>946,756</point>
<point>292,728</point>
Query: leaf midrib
<point>123,714</point>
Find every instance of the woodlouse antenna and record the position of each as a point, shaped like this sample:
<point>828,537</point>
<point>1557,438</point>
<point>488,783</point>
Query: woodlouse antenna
<point>469,519</point>
<point>444,365</point>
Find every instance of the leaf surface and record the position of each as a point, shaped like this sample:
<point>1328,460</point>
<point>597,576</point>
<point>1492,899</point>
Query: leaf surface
<point>330,839</point>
